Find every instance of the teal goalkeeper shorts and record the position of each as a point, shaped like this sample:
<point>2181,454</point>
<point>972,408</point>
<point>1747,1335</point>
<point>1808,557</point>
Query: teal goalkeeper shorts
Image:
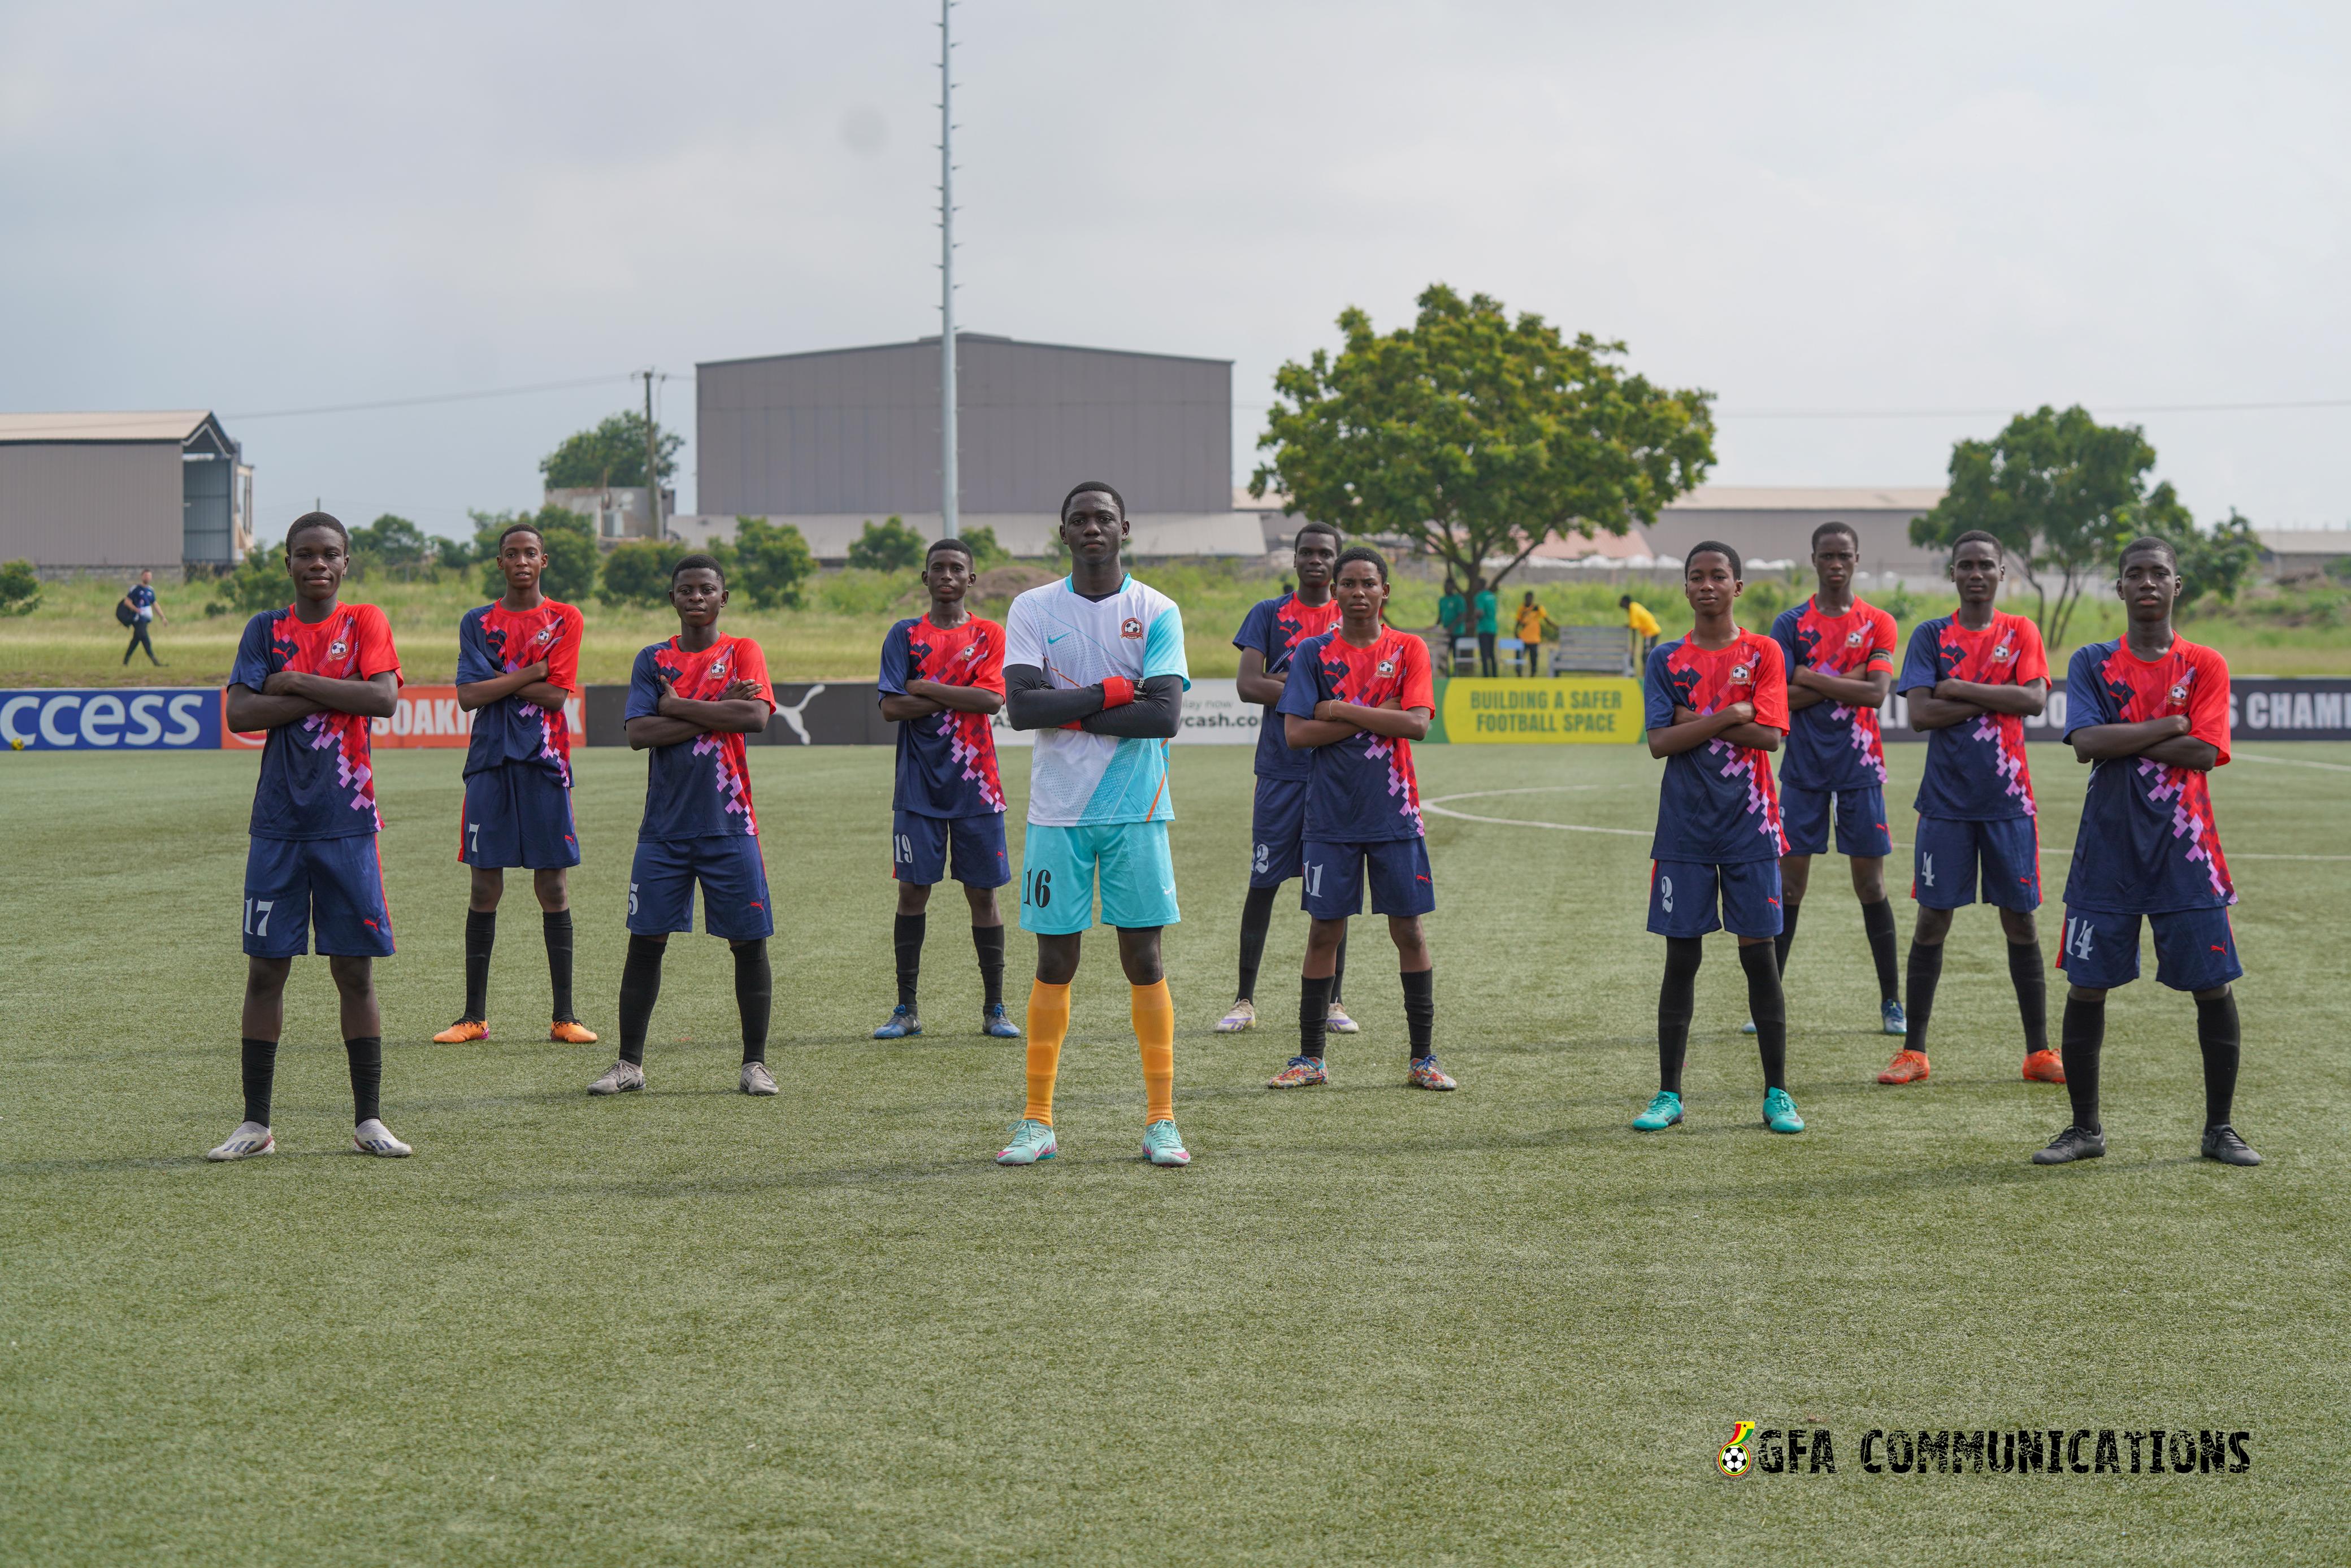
<point>1057,877</point>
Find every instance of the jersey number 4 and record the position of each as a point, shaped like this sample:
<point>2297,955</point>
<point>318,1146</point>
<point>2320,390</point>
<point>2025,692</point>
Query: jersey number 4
<point>1037,889</point>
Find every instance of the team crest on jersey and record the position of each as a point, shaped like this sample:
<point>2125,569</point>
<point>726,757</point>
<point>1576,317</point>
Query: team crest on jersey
<point>1740,671</point>
<point>1130,627</point>
<point>337,648</point>
<point>1387,667</point>
<point>2002,654</point>
<point>1852,638</point>
<point>2178,694</point>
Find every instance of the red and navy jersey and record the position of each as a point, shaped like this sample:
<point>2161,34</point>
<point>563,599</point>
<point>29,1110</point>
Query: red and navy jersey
<point>2147,843</point>
<point>1360,790</point>
<point>946,761</point>
<point>1275,627</point>
<point>1718,805</point>
<point>701,788</point>
<point>493,641</point>
<point>318,777</point>
<point>1830,745</point>
<point>1975,771</point>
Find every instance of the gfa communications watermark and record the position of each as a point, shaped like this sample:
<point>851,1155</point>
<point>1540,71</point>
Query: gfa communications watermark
<point>1991,1450</point>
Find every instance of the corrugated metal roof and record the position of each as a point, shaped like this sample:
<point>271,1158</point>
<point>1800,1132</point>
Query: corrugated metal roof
<point>2306,541</point>
<point>1807,498</point>
<point>174,425</point>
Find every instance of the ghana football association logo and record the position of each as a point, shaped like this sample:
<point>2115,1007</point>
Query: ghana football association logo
<point>1733,1459</point>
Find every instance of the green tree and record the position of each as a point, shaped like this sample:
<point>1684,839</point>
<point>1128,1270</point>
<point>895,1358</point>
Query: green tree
<point>637,571</point>
<point>2214,561</point>
<point>1476,436</point>
<point>771,562</point>
<point>256,584</point>
<point>2056,490</point>
<point>612,454</point>
<point>570,543</point>
<point>393,542</point>
<point>20,589</point>
<point>891,546</point>
<point>984,551</point>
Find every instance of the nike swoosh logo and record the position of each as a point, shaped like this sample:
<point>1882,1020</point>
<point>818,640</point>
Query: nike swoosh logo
<point>1050,640</point>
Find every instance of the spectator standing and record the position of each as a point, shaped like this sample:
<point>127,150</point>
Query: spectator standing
<point>138,610</point>
<point>1533,629</point>
<point>1453,615</point>
<point>1644,625</point>
<point>1488,611</point>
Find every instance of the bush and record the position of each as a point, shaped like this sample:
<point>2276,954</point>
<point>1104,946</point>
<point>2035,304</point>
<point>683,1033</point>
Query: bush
<point>771,562</point>
<point>638,572</point>
<point>891,547</point>
<point>258,583</point>
<point>984,551</point>
<point>20,589</point>
<point>390,541</point>
<point>570,573</point>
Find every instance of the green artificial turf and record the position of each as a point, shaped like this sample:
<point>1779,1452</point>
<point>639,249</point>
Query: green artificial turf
<point>1367,1325</point>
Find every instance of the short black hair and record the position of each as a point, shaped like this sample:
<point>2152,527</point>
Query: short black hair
<point>327,520</point>
<point>1360,553</point>
<point>694,561</point>
<point>1825,530</point>
<point>1978,537</point>
<point>951,542</point>
<point>1712,547</point>
<point>1338,539</point>
<point>524,527</point>
<point>2140,546</point>
<point>1081,490</point>
<point>1625,602</point>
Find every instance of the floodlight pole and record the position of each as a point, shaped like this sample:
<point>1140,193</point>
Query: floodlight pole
<point>948,483</point>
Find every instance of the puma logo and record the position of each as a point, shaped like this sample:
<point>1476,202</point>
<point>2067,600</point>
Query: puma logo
<point>791,715</point>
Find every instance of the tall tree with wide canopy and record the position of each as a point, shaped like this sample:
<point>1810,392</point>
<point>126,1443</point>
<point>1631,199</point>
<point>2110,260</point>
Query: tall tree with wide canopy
<point>1477,436</point>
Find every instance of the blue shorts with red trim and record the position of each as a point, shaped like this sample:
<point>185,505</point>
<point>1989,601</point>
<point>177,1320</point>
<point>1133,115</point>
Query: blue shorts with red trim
<point>335,885</point>
<point>2195,949</point>
<point>1397,869</point>
<point>1953,859</point>
<point>517,814</point>
<point>918,849</point>
<point>734,879</point>
<point>1277,831</point>
<point>1684,896</point>
<point>1860,820</point>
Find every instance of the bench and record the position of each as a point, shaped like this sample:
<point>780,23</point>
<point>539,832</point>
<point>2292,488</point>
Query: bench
<point>1594,650</point>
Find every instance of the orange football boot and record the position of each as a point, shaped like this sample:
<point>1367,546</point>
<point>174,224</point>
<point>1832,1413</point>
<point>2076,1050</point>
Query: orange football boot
<point>570,1031</point>
<point>462,1031</point>
<point>1907,1067</point>
<point>2045,1066</point>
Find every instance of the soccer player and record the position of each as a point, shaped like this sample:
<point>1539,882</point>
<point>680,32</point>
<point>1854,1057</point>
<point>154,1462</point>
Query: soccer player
<point>313,675</point>
<point>140,604</point>
<point>1715,708</point>
<point>1973,678</point>
<point>942,680</point>
<point>1839,654</point>
<point>1272,628</point>
<point>691,702</point>
<point>1354,701</point>
<point>1094,665</point>
<point>518,665</point>
<point>2150,711</point>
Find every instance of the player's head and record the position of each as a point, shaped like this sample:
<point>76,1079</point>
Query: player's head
<point>947,570</point>
<point>1625,602</point>
<point>522,555</point>
<point>317,553</point>
<point>2146,578</point>
<point>146,574</point>
<point>1451,586</point>
<point>1976,567</point>
<point>698,590</point>
<point>1837,554</point>
<point>1315,553</point>
<point>1360,582</point>
<point>1093,522</point>
<point>1529,600</point>
<point>1710,579</point>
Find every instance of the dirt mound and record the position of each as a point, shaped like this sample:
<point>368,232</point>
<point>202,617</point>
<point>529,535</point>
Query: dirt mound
<point>1011,579</point>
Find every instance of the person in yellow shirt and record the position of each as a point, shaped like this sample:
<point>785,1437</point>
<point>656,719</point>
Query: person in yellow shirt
<point>1644,624</point>
<point>1533,627</point>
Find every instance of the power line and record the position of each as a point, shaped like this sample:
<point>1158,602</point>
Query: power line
<point>2005,412</point>
<point>434,398</point>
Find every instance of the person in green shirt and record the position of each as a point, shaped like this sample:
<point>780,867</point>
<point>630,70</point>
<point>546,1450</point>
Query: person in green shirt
<point>1484,601</point>
<point>1453,615</point>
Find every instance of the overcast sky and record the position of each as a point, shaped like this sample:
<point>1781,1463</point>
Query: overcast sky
<point>255,207</point>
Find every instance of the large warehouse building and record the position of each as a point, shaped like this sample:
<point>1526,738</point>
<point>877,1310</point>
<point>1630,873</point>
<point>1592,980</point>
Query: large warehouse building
<point>114,491</point>
<point>830,440</point>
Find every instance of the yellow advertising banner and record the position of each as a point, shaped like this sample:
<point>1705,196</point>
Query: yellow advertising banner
<point>1560,710</point>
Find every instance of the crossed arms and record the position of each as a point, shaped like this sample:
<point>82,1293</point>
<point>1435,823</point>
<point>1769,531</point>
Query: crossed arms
<point>923,698</point>
<point>1807,688</point>
<point>2166,740</point>
<point>290,697</point>
<point>1951,702</point>
<point>529,683</point>
<point>1151,711</point>
<point>1735,724</point>
<point>1334,721</point>
<point>737,710</point>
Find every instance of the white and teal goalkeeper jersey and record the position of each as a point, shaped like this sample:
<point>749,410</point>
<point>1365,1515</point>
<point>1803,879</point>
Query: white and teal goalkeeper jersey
<point>1076,779</point>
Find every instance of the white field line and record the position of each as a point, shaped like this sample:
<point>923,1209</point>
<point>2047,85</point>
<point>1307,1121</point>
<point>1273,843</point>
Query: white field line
<point>2292,762</point>
<point>1436,808</point>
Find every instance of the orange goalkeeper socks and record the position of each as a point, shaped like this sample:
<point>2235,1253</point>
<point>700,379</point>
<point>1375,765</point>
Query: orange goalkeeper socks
<point>1154,1031</point>
<point>1049,1020</point>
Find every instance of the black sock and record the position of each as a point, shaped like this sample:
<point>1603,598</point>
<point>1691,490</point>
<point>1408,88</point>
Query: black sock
<point>260,1071</point>
<point>1925,973</point>
<point>559,964</point>
<point>1256,916</point>
<point>1677,999</point>
<point>366,1054</point>
<point>481,936</point>
<point>1420,1009</point>
<point>640,989</point>
<point>2216,1033</point>
<point>755,995</point>
<point>1339,969</point>
<point>2081,1034</point>
<point>1313,1013</point>
<point>988,940</point>
<point>906,936</point>
<point>1767,1005</point>
<point>1787,937</point>
<point>2032,984</point>
<point>1877,924</point>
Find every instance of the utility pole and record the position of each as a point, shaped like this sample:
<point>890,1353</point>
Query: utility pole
<point>948,482</point>
<point>653,459</point>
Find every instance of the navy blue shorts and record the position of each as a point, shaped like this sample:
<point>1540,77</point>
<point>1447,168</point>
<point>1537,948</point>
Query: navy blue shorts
<point>2195,950</point>
<point>734,887</point>
<point>1860,820</point>
<point>1277,831</point>
<point>1397,869</point>
<point>918,849</point>
<point>1683,897</point>
<point>336,885</point>
<point>518,815</point>
<point>1953,859</point>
